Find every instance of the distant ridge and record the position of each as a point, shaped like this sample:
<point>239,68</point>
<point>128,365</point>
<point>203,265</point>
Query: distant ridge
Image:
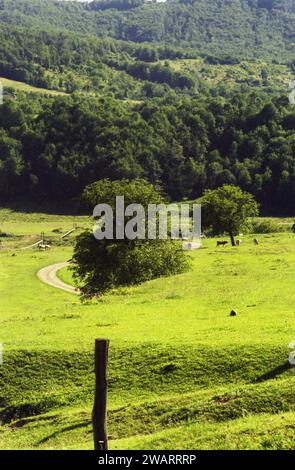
<point>249,28</point>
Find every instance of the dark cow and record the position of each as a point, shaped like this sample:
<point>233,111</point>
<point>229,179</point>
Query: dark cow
<point>221,243</point>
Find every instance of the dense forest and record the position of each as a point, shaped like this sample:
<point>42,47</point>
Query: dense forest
<point>52,147</point>
<point>68,62</point>
<point>242,28</point>
<point>172,92</point>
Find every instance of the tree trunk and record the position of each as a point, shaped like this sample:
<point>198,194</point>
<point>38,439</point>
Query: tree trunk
<point>233,243</point>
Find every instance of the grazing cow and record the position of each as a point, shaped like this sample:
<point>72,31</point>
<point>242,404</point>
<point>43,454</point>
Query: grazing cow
<point>44,247</point>
<point>239,242</point>
<point>256,241</point>
<point>221,243</point>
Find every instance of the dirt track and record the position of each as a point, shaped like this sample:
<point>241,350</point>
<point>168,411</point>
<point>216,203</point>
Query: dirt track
<point>48,276</point>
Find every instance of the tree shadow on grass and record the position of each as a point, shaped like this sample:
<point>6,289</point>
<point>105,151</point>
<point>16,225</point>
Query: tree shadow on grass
<point>23,422</point>
<point>66,429</point>
<point>274,372</point>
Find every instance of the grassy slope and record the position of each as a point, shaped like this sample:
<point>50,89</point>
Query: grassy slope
<point>24,229</point>
<point>181,370</point>
<point>20,86</point>
<point>65,274</point>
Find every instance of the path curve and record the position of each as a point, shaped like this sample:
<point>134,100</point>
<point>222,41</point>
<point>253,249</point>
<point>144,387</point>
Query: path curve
<point>48,276</point>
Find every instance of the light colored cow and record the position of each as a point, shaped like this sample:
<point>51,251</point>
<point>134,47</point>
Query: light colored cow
<point>44,247</point>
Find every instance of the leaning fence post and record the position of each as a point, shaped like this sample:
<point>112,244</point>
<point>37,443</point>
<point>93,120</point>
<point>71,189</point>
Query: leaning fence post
<point>99,413</point>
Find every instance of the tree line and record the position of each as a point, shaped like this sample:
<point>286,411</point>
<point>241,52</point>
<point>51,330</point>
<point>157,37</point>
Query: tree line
<point>240,28</point>
<point>51,148</point>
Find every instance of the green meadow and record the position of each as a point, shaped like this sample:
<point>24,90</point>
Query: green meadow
<point>21,86</point>
<point>183,373</point>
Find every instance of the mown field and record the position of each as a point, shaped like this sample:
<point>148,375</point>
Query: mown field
<point>183,374</point>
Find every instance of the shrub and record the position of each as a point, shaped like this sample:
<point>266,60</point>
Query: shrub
<point>266,226</point>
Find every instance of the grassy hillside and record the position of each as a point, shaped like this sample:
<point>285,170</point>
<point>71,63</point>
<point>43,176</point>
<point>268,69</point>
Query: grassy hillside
<point>24,87</point>
<point>182,374</point>
<point>20,230</point>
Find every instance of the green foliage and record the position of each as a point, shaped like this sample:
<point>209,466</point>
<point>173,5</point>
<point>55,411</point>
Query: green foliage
<point>11,165</point>
<point>185,118</point>
<point>66,62</point>
<point>59,145</point>
<point>177,110</point>
<point>243,75</point>
<point>101,265</point>
<point>237,28</point>
<point>62,59</point>
<point>227,209</point>
<point>135,192</point>
<point>265,226</point>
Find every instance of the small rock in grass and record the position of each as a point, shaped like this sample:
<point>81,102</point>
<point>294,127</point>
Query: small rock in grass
<point>233,313</point>
<point>168,368</point>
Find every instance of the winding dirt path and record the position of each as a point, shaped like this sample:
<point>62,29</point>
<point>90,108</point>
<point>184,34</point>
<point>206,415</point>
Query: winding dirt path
<point>48,276</point>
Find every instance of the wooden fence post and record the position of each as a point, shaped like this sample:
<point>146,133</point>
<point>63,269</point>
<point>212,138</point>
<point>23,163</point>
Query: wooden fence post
<point>99,413</point>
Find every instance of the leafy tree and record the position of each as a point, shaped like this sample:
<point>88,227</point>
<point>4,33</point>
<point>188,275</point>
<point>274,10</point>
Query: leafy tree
<point>226,209</point>
<point>101,265</point>
<point>10,165</point>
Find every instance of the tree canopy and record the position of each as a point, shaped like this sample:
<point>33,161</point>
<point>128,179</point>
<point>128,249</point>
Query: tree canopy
<point>226,210</point>
<point>154,96</point>
<point>104,264</point>
<point>251,28</point>
<point>53,147</point>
